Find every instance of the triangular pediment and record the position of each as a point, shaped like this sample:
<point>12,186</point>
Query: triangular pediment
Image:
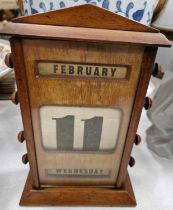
<point>87,16</point>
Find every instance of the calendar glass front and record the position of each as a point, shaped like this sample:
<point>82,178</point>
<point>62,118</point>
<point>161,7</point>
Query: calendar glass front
<point>81,97</point>
<point>88,134</point>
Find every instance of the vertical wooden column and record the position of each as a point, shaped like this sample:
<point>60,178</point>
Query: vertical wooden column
<point>146,71</point>
<point>19,66</point>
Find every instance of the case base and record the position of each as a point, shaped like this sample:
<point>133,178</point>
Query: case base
<point>78,196</point>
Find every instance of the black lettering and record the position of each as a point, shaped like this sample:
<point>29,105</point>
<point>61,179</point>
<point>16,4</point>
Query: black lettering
<point>65,171</point>
<point>75,171</point>
<point>58,171</point>
<point>101,171</point>
<point>55,69</point>
<point>63,69</point>
<point>80,70</point>
<point>113,70</point>
<point>80,171</point>
<point>105,72</point>
<point>71,69</point>
<point>85,171</point>
<point>96,72</point>
<point>88,70</point>
<point>95,171</point>
<point>70,171</point>
<point>90,171</point>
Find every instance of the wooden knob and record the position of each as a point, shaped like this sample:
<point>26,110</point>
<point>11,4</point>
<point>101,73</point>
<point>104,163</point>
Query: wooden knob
<point>132,162</point>
<point>147,103</point>
<point>137,140</point>
<point>8,60</point>
<point>21,137</point>
<point>15,98</point>
<point>157,71</point>
<point>25,159</point>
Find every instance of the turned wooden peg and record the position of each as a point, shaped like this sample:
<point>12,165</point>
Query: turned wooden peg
<point>15,98</point>
<point>157,71</point>
<point>132,162</point>
<point>147,103</point>
<point>8,60</point>
<point>137,140</point>
<point>21,137</point>
<point>25,159</point>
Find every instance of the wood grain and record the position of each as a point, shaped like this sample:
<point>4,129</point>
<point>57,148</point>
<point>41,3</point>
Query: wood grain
<point>168,34</point>
<point>21,80</point>
<point>81,40</point>
<point>161,4</point>
<point>146,70</point>
<point>81,92</point>
<point>78,196</point>
<point>83,34</point>
<point>21,6</point>
<point>87,16</point>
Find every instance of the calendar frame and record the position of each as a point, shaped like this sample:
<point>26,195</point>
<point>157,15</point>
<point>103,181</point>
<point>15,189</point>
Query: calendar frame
<point>72,35</point>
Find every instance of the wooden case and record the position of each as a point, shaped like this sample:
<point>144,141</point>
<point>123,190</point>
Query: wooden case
<point>52,54</point>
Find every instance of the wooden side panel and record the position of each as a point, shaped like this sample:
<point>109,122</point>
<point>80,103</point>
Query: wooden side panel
<point>146,69</point>
<point>21,80</point>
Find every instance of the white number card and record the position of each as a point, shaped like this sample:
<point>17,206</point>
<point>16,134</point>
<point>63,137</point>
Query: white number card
<point>70,128</point>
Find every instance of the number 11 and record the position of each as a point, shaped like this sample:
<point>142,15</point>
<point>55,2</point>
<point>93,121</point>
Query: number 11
<point>91,134</point>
